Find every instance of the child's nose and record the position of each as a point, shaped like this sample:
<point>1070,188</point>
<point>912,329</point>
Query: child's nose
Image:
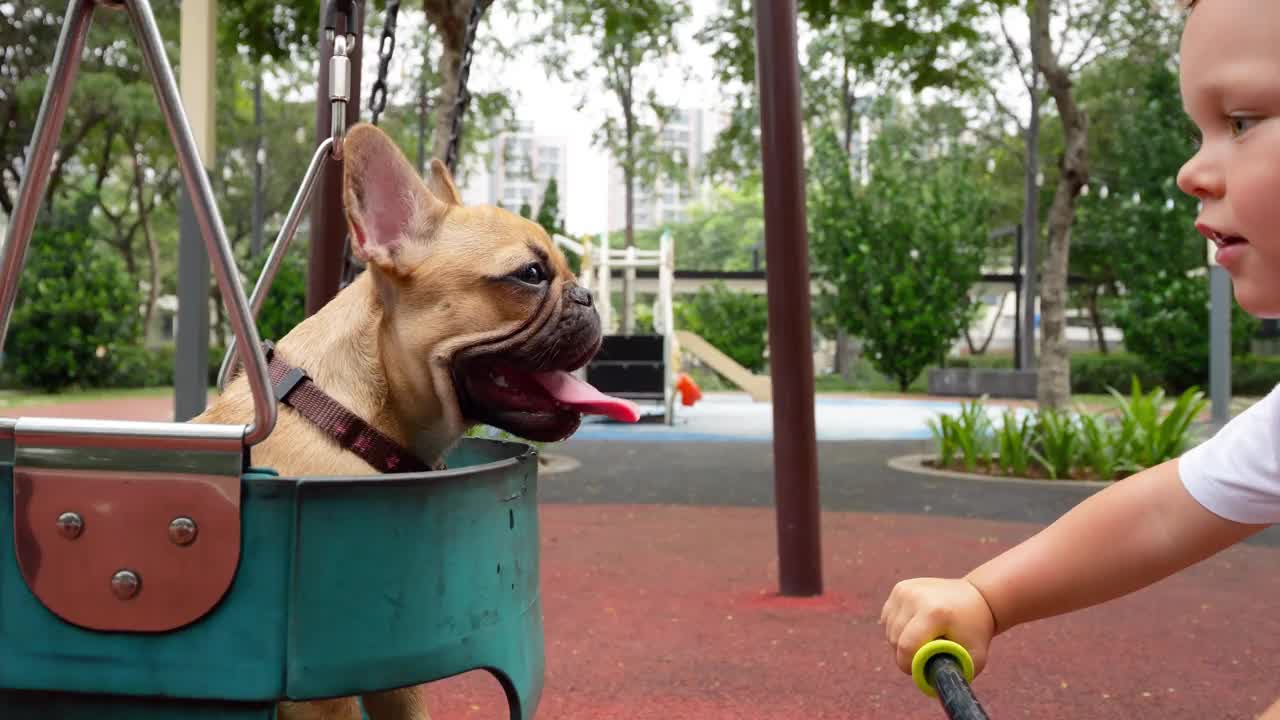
<point>1200,178</point>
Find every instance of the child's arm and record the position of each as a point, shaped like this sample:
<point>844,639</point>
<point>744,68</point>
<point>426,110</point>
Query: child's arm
<point>1124,538</point>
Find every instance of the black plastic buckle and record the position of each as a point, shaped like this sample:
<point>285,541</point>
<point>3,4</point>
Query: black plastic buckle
<point>289,382</point>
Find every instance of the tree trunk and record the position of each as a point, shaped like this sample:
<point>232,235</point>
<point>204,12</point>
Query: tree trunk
<point>153,251</point>
<point>843,364</point>
<point>449,19</point>
<point>1095,314</point>
<point>991,332</point>
<point>1054,386</point>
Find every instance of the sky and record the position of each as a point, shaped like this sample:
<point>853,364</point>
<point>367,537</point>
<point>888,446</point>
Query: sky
<point>551,105</point>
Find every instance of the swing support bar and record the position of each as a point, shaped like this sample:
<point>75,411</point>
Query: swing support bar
<point>35,179</point>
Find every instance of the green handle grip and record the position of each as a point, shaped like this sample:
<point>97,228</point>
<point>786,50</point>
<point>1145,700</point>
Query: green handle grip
<point>939,646</point>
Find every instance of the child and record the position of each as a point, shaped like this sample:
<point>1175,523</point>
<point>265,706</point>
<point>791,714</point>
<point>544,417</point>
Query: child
<point>1167,517</point>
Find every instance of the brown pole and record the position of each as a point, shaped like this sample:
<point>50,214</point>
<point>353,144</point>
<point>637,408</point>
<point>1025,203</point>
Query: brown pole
<point>795,447</point>
<point>328,224</point>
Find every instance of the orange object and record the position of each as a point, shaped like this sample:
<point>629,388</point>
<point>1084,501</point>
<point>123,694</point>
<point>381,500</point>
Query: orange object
<point>689,392</point>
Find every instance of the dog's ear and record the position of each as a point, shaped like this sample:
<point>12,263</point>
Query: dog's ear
<point>441,183</point>
<point>386,202</point>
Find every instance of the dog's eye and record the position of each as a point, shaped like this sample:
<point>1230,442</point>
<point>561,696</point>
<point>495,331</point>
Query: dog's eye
<point>533,273</point>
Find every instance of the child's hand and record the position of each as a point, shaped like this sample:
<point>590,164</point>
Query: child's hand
<point>923,609</point>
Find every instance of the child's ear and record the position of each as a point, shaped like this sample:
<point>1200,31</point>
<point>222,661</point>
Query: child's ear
<point>387,203</point>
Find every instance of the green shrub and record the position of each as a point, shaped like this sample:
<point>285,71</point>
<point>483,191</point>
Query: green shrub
<point>1254,375</point>
<point>1093,372</point>
<point>735,322</point>
<point>1140,433</point>
<point>1167,324</point>
<point>77,306</point>
<point>286,303</point>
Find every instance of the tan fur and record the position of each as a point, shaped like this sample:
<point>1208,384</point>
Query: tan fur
<point>383,346</point>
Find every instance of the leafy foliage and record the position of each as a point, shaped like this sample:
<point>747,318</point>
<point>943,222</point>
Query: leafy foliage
<point>549,210</point>
<point>1167,324</point>
<point>1142,431</point>
<point>76,306</point>
<point>735,322</point>
<point>902,252</point>
<point>286,303</point>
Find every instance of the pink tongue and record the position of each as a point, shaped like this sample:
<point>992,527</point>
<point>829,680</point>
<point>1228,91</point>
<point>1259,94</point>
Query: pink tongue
<point>580,396</point>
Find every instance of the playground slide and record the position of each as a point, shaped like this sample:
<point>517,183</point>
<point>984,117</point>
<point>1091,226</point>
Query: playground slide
<point>757,386</point>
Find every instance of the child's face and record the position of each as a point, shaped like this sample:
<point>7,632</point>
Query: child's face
<point>1230,81</point>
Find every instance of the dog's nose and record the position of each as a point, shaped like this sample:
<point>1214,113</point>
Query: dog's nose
<point>580,295</point>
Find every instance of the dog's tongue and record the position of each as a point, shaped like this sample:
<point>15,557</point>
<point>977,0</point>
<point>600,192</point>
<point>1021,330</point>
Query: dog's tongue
<point>580,396</point>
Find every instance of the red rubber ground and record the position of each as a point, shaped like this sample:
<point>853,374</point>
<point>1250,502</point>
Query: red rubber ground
<point>667,613</point>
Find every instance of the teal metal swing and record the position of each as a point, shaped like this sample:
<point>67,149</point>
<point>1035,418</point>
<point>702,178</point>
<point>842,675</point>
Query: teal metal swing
<point>149,572</point>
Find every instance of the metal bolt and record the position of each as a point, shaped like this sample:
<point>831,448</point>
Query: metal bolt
<point>70,525</point>
<point>182,531</point>
<point>125,584</point>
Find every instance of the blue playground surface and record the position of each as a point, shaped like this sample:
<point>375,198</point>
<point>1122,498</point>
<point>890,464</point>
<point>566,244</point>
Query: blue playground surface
<point>734,417</point>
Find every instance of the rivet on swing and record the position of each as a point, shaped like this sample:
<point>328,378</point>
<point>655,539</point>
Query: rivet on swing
<point>70,525</point>
<point>182,531</point>
<point>125,584</point>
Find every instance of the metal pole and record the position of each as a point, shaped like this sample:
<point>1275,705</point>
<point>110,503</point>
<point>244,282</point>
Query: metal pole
<point>206,217</point>
<point>191,365</point>
<point>1019,282</point>
<point>44,142</point>
<point>328,222</point>
<point>787,275</point>
<point>1219,343</point>
<point>1030,218</point>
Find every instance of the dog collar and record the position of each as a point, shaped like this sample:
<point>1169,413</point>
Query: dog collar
<point>295,388</point>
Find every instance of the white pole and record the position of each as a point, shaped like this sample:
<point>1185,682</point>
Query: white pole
<point>605,300</point>
<point>666,287</point>
<point>629,299</point>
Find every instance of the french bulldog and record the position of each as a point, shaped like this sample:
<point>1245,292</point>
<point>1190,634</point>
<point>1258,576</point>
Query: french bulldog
<point>465,315</point>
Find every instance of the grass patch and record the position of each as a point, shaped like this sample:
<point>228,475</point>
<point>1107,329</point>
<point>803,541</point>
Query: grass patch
<point>26,398</point>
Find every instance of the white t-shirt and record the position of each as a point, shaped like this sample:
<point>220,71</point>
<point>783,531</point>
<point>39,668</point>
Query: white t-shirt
<point>1236,473</point>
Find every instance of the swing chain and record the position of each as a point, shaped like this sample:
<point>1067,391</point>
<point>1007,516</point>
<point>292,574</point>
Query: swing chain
<point>386,46</point>
<point>463,96</point>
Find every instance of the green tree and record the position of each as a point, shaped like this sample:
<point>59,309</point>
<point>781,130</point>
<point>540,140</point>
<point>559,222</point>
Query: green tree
<point>1167,324</point>
<point>734,322</point>
<point>286,304</point>
<point>75,308</point>
<point>630,40</point>
<point>853,50</point>
<point>903,252</point>
<point>724,233</point>
<point>549,210</point>
<point>1133,225</point>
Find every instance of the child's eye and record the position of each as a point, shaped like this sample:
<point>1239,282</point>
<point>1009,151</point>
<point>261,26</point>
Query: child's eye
<point>1240,124</point>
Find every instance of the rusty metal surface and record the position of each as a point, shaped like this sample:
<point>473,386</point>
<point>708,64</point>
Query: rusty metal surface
<point>126,518</point>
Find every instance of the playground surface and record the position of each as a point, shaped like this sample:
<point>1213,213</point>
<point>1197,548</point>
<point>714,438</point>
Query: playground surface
<point>659,574</point>
<point>729,417</point>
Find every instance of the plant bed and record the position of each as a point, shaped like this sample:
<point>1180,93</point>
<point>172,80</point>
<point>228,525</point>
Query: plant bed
<point>1140,431</point>
<point>1032,472</point>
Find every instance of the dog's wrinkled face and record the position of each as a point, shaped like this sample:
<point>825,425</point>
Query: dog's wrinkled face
<point>482,317</point>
